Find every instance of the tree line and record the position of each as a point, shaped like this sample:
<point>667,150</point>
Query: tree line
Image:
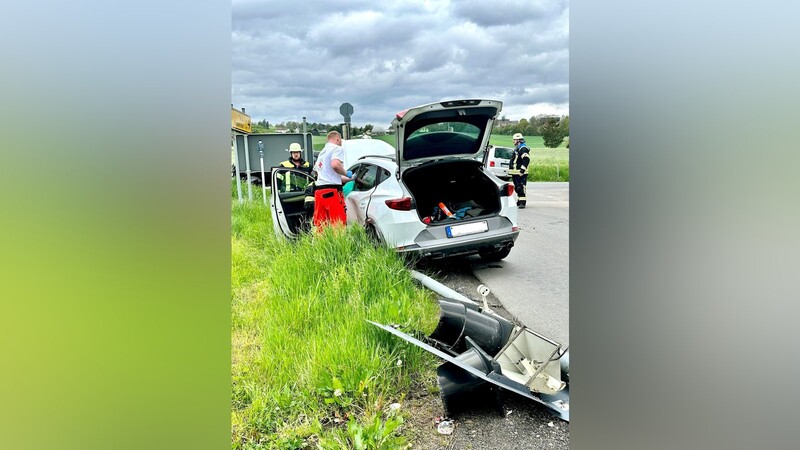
<point>263,126</point>
<point>553,129</point>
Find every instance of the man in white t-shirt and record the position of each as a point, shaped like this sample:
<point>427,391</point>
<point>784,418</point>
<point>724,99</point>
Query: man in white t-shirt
<point>328,198</point>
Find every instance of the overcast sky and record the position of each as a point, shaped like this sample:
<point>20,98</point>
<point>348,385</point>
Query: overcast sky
<point>305,58</point>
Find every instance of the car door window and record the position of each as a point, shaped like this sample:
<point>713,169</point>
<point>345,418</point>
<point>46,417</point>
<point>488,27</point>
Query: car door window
<point>383,175</point>
<point>291,181</point>
<point>366,175</point>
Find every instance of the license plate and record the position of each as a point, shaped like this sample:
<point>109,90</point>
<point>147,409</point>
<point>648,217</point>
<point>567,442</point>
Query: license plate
<point>503,164</point>
<point>465,229</point>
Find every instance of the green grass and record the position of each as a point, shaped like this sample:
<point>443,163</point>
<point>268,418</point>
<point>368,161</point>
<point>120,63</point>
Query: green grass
<point>307,369</point>
<point>549,164</point>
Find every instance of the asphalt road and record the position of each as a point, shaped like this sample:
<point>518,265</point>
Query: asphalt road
<point>532,282</point>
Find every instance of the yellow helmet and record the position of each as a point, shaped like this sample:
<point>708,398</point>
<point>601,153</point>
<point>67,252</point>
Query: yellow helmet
<point>295,147</point>
<point>518,136</point>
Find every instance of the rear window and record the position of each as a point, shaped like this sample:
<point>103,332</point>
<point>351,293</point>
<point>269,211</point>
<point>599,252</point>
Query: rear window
<point>443,138</point>
<point>503,152</point>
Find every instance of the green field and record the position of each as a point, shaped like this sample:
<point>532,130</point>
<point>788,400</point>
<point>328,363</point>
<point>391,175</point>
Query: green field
<point>308,371</point>
<point>547,164</point>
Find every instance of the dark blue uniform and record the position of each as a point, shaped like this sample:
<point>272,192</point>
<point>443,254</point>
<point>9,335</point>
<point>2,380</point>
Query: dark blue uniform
<point>518,169</point>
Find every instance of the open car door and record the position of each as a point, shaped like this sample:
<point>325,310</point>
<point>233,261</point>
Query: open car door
<point>287,202</point>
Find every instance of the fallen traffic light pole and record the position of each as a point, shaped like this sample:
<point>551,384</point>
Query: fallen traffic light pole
<point>485,353</point>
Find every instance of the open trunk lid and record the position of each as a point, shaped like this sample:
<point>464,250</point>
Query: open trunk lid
<point>448,129</point>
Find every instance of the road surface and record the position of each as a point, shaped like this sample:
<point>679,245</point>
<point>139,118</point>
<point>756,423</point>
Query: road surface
<point>532,282</point>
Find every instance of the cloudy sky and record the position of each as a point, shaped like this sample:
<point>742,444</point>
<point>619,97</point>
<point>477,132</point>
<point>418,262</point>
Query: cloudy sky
<point>305,58</point>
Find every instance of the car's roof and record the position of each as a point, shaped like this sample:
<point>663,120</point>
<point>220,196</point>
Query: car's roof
<point>354,149</point>
<point>388,162</point>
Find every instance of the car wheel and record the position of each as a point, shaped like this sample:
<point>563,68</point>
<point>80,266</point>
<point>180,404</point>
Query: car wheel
<point>372,233</point>
<point>494,255</point>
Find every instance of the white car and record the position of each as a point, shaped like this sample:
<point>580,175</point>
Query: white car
<point>497,160</point>
<point>429,196</point>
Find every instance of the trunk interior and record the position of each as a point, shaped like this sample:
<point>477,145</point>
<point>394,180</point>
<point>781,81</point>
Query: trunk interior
<point>461,185</point>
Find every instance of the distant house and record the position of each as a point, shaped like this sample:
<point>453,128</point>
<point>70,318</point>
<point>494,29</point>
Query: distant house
<point>505,123</point>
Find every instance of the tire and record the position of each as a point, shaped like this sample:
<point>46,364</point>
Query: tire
<point>494,255</point>
<point>372,233</point>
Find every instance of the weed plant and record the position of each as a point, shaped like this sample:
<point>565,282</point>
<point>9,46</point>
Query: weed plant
<point>307,369</point>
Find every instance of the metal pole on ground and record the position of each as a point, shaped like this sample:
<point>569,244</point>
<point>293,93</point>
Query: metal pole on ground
<point>236,162</point>
<point>439,288</point>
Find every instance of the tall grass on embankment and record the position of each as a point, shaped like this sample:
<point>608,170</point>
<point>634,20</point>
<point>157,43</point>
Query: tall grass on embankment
<point>307,369</point>
<point>548,164</point>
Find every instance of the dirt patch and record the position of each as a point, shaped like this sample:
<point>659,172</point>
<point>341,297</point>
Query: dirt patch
<point>423,408</point>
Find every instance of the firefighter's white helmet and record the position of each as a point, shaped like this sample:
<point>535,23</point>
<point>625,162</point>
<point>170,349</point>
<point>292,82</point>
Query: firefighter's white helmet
<point>517,136</point>
<point>295,147</point>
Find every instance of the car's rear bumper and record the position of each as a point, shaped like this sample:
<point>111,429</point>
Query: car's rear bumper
<point>433,243</point>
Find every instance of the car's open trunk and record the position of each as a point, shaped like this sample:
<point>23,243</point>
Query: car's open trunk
<point>458,184</point>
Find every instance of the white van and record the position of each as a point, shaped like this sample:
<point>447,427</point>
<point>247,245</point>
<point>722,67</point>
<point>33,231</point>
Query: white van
<point>497,160</point>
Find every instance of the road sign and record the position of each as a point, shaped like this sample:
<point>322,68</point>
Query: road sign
<point>346,110</point>
<point>241,121</point>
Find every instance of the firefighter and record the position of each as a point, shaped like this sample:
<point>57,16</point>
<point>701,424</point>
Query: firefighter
<point>295,161</point>
<point>518,168</point>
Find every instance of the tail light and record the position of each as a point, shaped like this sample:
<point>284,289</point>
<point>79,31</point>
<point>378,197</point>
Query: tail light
<point>400,204</point>
<point>491,163</point>
<point>507,190</point>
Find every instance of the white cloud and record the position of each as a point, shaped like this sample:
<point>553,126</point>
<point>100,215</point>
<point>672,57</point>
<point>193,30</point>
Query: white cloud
<point>291,60</point>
